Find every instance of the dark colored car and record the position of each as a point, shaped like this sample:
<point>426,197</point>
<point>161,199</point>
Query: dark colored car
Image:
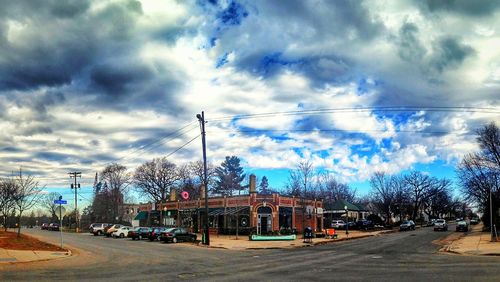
<point>139,233</point>
<point>364,224</point>
<point>474,221</point>
<point>407,225</point>
<point>53,227</point>
<point>462,226</point>
<point>155,233</point>
<point>45,226</point>
<point>175,235</point>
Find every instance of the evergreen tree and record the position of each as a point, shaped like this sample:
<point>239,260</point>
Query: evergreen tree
<point>264,185</point>
<point>228,176</point>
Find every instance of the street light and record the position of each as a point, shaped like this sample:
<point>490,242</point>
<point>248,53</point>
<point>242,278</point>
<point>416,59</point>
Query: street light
<point>164,218</point>
<point>347,221</point>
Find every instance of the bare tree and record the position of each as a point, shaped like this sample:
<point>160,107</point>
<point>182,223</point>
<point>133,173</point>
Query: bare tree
<point>304,173</point>
<point>331,190</point>
<point>384,193</point>
<point>196,169</point>
<point>7,202</point>
<point>439,204</point>
<point>421,187</point>
<point>488,138</point>
<point>156,178</point>
<point>27,194</point>
<point>47,202</point>
<point>402,202</point>
<point>116,180</point>
<point>479,173</point>
<point>293,186</point>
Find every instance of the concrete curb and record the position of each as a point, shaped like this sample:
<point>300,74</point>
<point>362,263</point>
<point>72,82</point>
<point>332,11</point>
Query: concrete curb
<point>304,245</point>
<point>60,255</point>
<point>448,248</point>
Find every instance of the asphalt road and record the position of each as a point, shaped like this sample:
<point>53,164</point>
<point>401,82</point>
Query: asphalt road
<point>408,256</point>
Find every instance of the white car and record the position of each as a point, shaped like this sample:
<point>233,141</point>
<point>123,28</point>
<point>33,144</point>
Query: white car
<point>440,224</point>
<point>339,224</point>
<point>121,232</point>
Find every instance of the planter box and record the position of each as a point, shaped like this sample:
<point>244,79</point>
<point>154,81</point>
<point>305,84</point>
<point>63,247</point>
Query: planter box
<point>272,238</point>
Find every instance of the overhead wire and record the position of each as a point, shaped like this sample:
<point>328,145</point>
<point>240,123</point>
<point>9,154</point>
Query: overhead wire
<point>329,130</point>
<point>159,142</point>
<point>361,109</point>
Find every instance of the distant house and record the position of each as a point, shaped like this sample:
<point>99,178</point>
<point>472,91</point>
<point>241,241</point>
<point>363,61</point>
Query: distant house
<point>337,210</point>
<point>129,212</point>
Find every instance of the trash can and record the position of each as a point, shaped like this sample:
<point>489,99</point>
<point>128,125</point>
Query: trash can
<point>308,235</point>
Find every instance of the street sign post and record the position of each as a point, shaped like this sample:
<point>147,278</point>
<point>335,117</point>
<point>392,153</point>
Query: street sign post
<point>60,209</point>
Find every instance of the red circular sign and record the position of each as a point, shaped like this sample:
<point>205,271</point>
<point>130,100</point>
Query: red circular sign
<point>185,195</point>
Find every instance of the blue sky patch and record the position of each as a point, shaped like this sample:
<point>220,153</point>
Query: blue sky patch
<point>222,61</point>
<point>233,14</point>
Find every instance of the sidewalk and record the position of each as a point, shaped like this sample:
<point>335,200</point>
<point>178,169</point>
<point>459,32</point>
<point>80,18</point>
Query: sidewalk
<point>10,256</point>
<point>474,242</point>
<point>243,243</point>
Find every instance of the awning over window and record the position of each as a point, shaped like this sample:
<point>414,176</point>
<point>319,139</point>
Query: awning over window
<point>141,215</point>
<point>228,211</point>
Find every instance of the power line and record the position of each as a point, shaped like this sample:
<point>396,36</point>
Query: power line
<point>330,130</point>
<point>362,109</point>
<point>185,144</point>
<point>160,141</point>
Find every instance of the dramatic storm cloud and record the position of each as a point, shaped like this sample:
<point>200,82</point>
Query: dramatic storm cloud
<point>87,83</point>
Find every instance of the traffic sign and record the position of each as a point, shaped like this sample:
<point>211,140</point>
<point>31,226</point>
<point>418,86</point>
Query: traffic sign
<point>60,202</point>
<point>60,211</point>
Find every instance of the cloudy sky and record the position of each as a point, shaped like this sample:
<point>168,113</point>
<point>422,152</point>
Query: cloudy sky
<point>353,86</point>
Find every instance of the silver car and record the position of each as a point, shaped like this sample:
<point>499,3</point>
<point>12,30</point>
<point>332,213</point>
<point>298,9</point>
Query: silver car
<point>440,224</point>
<point>339,224</point>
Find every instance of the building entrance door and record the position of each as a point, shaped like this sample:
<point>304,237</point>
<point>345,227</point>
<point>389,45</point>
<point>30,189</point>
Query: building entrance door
<point>264,220</point>
<point>263,224</point>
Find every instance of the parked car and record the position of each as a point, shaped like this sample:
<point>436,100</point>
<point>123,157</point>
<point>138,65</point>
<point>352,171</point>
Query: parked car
<point>440,224</point>
<point>53,227</point>
<point>364,224</point>
<point>407,225</point>
<point>155,233</point>
<point>175,235</point>
<point>110,230</point>
<point>430,222</point>
<point>139,233</point>
<point>338,224</point>
<point>44,226</point>
<point>107,227</point>
<point>98,228</point>
<point>474,221</point>
<point>121,232</point>
<point>462,226</point>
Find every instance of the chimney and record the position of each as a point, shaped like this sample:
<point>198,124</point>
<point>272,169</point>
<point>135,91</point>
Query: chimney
<point>252,183</point>
<point>202,191</point>
<point>173,195</point>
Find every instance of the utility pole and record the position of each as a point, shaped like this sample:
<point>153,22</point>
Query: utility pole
<point>201,119</point>
<point>491,217</point>
<point>76,186</point>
